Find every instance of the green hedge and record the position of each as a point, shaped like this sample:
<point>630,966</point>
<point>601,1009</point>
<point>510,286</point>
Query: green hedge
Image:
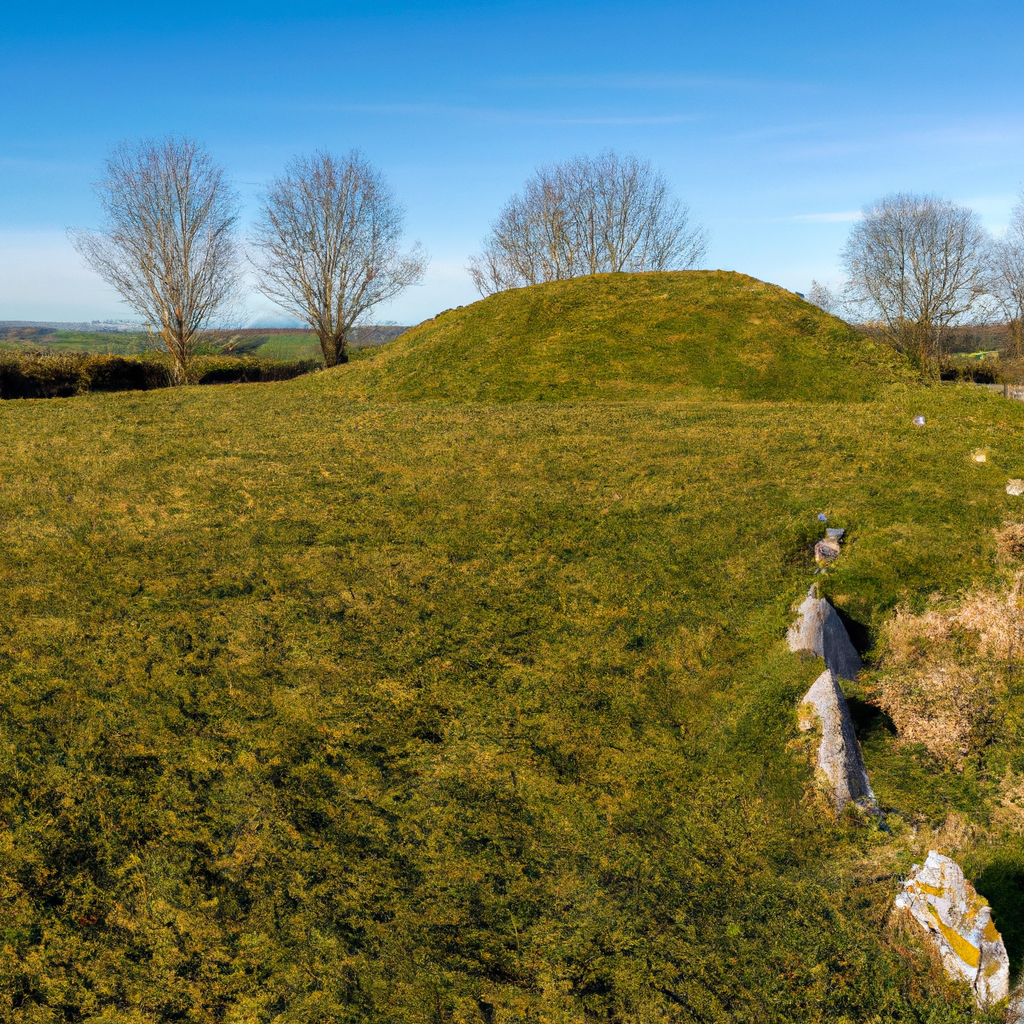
<point>61,375</point>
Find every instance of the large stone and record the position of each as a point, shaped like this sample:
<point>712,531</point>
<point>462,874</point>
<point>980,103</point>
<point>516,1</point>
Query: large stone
<point>957,923</point>
<point>839,755</point>
<point>819,629</point>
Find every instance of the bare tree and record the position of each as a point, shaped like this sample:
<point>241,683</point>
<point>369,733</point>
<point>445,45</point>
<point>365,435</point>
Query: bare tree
<point>589,215</point>
<point>1007,285</point>
<point>918,264</point>
<point>168,246</point>
<point>823,297</point>
<point>326,246</point>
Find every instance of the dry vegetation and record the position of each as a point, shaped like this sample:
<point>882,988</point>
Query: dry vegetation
<point>945,674</point>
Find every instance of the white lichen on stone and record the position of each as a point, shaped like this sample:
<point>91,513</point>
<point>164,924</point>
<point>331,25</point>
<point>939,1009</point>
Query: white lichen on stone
<point>957,923</point>
<point>839,755</point>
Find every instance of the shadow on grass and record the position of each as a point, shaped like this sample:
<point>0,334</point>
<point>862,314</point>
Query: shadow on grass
<point>1002,884</point>
<point>859,633</point>
<point>869,719</point>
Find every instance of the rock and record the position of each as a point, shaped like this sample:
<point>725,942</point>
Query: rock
<point>958,924</point>
<point>1015,487</point>
<point>826,550</point>
<point>819,629</point>
<point>918,421</point>
<point>839,755</point>
<point>1015,1011</point>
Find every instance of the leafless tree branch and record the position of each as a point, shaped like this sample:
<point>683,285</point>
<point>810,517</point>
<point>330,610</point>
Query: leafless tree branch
<point>1007,286</point>
<point>589,215</point>
<point>326,246</point>
<point>168,246</point>
<point>919,264</point>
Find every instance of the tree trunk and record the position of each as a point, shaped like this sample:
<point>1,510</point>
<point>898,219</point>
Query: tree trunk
<point>335,351</point>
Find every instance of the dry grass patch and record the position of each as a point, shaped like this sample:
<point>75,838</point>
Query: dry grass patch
<point>946,672</point>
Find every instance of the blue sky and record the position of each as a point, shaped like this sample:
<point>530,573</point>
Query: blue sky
<point>775,122</point>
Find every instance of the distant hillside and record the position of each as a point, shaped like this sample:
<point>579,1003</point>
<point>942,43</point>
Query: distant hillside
<point>628,336</point>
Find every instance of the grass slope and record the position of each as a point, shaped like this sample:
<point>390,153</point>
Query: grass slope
<point>321,709</point>
<point>629,336</point>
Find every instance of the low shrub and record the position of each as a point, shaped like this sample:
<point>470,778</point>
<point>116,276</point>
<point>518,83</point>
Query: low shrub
<point>60,375</point>
<point>980,371</point>
<point>247,369</point>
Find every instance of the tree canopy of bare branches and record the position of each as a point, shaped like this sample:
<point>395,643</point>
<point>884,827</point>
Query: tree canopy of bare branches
<point>326,246</point>
<point>823,297</point>
<point>918,264</point>
<point>589,215</point>
<point>168,245</point>
<point>1007,285</point>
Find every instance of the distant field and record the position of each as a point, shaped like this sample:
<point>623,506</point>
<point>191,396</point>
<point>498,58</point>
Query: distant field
<point>282,345</point>
<point>451,685</point>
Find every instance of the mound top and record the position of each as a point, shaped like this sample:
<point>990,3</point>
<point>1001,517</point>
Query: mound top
<point>624,336</point>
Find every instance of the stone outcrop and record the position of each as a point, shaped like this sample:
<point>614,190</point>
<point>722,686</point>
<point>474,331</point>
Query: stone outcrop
<point>819,629</point>
<point>827,549</point>
<point>839,756</point>
<point>957,923</point>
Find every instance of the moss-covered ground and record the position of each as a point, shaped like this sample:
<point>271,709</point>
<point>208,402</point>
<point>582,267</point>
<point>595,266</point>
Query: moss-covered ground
<point>320,702</point>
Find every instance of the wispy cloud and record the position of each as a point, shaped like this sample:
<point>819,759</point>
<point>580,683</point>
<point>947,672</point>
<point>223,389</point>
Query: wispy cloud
<point>493,115</point>
<point>631,81</point>
<point>842,217</point>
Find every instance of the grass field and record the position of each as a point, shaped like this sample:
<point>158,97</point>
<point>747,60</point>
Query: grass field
<point>325,702</point>
<point>265,343</point>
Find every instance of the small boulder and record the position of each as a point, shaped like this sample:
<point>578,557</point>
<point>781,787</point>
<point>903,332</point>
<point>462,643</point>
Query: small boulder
<point>839,755</point>
<point>819,629</point>
<point>1015,488</point>
<point>957,923</point>
<point>826,550</point>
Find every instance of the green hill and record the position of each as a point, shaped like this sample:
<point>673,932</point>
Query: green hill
<point>628,336</point>
<point>318,704</point>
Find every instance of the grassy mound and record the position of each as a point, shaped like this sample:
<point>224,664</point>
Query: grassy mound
<point>314,708</point>
<point>620,336</point>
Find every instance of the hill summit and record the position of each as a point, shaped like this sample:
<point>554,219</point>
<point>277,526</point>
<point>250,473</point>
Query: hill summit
<point>626,336</point>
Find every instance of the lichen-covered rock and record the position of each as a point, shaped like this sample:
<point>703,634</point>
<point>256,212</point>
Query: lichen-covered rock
<point>839,755</point>
<point>958,924</point>
<point>819,629</point>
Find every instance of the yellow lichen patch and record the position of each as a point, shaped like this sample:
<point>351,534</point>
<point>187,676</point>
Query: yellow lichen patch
<point>991,933</point>
<point>932,890</point>
<point>970,955</point>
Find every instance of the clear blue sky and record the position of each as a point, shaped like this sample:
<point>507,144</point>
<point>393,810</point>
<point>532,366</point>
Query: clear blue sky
<point>774,121</point>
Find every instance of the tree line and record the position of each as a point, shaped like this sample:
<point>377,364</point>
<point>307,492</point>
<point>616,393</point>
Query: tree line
<point>917,265</point>
<point>326,246</point>
<point>326,243</point>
